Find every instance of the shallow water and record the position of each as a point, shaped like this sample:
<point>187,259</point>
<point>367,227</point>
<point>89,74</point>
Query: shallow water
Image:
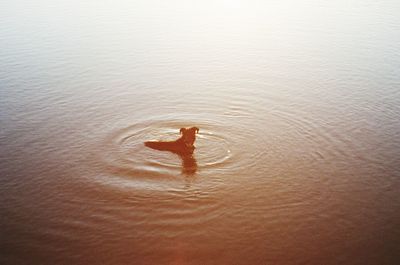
<point>297,158</point>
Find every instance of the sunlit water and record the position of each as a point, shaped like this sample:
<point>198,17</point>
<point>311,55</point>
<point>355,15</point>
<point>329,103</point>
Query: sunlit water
<point>296,162</point>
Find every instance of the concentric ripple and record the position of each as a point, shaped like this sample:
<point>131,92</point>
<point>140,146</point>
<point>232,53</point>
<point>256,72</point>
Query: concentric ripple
<point>126,153</point>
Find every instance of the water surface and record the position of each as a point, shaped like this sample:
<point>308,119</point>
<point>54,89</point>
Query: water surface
<point>297,158</point>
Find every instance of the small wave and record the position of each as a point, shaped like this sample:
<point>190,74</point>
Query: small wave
<point>126,154</point>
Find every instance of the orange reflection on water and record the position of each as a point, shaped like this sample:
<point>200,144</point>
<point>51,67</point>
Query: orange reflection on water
<point>189,164</point>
